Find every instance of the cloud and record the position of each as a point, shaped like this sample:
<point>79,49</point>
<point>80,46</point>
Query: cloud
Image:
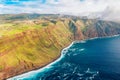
<point>74,7</point>
<point>1,5</point>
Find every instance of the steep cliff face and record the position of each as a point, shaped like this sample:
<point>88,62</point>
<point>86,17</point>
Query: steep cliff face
<point>86,28</point>
<point>31,44</point>
<point>100,28</point>
<point>33,48</point>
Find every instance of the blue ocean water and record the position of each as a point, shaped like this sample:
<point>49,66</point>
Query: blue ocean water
<point>94,59</point>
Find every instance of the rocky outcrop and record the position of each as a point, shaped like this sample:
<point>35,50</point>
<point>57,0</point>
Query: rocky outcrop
<point>36,47</point>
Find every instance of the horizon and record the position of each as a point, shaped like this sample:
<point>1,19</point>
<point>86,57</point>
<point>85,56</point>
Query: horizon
<point>59,39</point>
<point>105,9</point>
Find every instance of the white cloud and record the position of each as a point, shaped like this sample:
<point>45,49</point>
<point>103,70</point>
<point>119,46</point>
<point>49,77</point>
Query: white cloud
<point>75,7</point>
<point>1,5</point>
<point>88,6</point>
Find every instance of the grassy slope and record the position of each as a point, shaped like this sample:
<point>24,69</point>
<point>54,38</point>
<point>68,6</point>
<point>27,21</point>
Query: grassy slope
<point>26,46</point>
<point>30,44</point>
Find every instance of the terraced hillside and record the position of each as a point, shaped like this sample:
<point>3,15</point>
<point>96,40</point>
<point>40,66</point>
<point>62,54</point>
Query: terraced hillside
<point>27,44</point>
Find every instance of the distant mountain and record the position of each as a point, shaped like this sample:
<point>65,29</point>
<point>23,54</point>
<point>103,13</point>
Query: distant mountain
<point>108,14</point>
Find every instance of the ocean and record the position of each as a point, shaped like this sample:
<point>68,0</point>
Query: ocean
<point>93,59</point>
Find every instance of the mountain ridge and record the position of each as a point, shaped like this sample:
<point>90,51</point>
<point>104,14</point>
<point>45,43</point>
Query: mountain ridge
<point>26,16</point>
<point>31,43</point>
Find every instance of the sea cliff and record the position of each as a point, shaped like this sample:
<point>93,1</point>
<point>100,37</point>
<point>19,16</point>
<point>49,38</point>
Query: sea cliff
<point>28,44</point>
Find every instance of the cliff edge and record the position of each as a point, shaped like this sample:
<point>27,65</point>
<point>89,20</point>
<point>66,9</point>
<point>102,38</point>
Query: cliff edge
<point>27,44</point>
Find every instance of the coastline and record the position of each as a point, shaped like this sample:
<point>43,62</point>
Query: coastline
<point>37,68</point>
<point>83,41</point>
<point>49,65</point>
<point>42,68</point>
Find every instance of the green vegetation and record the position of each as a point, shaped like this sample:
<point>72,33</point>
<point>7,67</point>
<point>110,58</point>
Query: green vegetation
<point>27,46</point>
<point>1,67</point>
<point>14,28</point>
<point>45,24</point>
<point>32,41</point>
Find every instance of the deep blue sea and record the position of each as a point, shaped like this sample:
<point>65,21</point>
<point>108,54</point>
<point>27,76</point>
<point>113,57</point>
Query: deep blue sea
<point>94,59</point>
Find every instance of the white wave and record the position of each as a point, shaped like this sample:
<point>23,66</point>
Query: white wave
<point>104,37</point>
<point>81,41</point>
<point>93,38</point>
<point>112,36</point>
<point>84,41</point>
<point>32,73</point>
<point>78,53</point>
<point>82,49</point>
<point>72,50</point>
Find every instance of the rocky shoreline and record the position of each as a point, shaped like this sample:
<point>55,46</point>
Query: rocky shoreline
<point>42,44</point>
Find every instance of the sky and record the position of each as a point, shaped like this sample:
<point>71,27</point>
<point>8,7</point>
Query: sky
<point>72,7</point>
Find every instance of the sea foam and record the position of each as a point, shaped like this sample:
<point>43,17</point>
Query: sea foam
<point>49,66</point>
